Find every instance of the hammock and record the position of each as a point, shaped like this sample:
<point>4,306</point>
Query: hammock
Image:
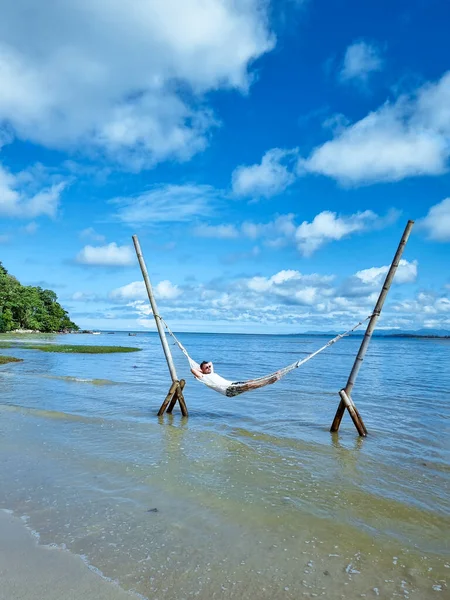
<point>230,388</point>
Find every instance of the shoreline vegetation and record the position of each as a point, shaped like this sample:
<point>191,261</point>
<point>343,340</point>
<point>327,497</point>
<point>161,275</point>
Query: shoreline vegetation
<point>411,335</point>
<point>68,348</point>
<point>9,359</point>
<point>419,336</point>
<point>30,308</point>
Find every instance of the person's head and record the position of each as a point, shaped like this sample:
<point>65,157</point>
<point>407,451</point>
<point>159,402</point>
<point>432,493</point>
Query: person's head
<point>206,367</point>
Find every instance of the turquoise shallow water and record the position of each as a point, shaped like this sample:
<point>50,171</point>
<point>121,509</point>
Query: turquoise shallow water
<point>254,497</point>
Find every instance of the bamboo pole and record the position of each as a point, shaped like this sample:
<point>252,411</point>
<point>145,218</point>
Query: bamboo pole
<point>180,397</point>
<point>175,398</point>
<point>169,397</point>
<point>353,413</point>
<point>370,327</point>
<point>175,393</point>
<point>151,297</point>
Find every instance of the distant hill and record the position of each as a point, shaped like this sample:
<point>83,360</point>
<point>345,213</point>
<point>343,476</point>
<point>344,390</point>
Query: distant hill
<point>420,332</point>
<point>30,308</point>
<point>392,333</point>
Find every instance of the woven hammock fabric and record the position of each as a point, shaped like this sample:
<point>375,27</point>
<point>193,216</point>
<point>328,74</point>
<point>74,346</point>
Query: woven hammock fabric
<point>234,388</point>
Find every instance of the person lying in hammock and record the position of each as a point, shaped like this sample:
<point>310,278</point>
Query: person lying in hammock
<point>205,372</point>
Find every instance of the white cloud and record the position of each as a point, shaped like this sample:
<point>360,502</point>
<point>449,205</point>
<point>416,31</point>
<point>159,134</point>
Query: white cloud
<point>223,232</point>
<point>281,227</point>
<point>286,300</point>
<point>285,275</point>
<point>274,301</point>
<point>165,290</point>
<point>259,284</point>
<point>23,195</point>
<point>438,323</point>
<point>136,291</point>
<point>253,230</point>
<point>443,305</point>
<point>132,291</point>
<point>425,304</point>
<point>308,237</point>
<point>290,286</point>
<point>110,255</point>
<point>45,202</point>
<point>90,234</point>
<point>327,227</point>
<point>406,273</point>
<point>277,232</point>
<point>361,59</point>
<point>437,222</point>
<point>168,203</point>
<point>105,75</point>
<point>306,296</point>
<point>406,138</point>
<point>269,178</point>
<point>371,276</point>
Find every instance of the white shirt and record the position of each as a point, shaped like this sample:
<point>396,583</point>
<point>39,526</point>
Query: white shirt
<point>216,382</point>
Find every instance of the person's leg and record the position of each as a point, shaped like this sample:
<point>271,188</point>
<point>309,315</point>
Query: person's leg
<point>239,387</point>
<point>236,388</point>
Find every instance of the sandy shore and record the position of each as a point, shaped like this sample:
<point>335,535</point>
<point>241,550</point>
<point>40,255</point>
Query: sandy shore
<point>32,572</point>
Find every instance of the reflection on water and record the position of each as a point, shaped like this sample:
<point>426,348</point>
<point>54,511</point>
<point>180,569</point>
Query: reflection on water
<point>254,497</point>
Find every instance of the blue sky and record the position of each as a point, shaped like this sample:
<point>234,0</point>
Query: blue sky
<point>267,154</point>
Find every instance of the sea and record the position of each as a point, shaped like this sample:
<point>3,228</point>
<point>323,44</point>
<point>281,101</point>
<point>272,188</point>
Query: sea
<point>249,497</point>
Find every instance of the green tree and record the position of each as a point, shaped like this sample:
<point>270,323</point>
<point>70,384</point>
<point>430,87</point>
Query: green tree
<point>6,320</point>
<point>29,307</point>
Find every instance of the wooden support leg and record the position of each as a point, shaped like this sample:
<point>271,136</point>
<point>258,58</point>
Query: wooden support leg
<point>350,406</point>
<point>183,407</point>
<point>340,413</point>
<point>338,417</point>
<point>169,397</point>
<point>358,415</point>
<point>175,398</point>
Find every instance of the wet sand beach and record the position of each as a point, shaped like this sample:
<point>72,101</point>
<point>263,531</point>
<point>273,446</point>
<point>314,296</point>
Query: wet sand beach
<point>30,572</point>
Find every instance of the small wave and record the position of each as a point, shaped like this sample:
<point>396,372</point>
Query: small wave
<point>72,379</point>
<point>49,414</point>
<point>25,519</point>
<point>69,378</point>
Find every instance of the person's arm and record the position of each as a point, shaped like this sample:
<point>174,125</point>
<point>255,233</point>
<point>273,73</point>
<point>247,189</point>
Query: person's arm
<point>197,373</point>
